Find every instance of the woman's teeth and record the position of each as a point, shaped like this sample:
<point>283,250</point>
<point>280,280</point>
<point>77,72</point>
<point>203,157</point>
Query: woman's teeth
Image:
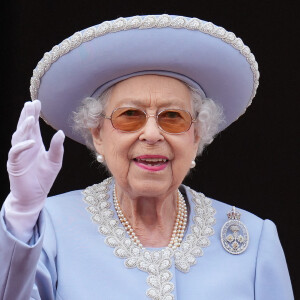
<point>151,161</point>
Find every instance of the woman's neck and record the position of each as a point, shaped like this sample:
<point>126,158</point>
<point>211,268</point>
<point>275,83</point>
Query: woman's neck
<point>152,219</point>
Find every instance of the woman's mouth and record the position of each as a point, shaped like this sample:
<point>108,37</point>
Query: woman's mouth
<point>151,162</point>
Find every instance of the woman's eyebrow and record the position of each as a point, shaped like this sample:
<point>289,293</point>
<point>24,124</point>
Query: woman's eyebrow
<point>145,103</point>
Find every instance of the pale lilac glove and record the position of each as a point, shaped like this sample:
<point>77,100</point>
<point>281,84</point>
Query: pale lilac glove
<point>32,171</point>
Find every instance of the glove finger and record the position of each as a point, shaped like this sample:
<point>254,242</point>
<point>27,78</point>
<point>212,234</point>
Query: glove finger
<point>22,116</point>
<point>37,109</point>
<point>36,131</point>
<point>25,113</point>
<point>56,149</point>
<point>17,150</point>
<point>31,109</point>
<point>23,132</point>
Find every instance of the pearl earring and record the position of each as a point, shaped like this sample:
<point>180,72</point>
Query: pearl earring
<point>100,158</point>
<point>193,164</point>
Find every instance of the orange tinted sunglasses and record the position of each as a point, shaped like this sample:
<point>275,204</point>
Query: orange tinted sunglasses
<point>131,119</point>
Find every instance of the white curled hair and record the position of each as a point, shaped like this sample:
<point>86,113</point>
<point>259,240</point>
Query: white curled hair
<point>209,115</point>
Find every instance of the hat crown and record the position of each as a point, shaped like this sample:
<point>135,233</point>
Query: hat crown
<point>54,76</point>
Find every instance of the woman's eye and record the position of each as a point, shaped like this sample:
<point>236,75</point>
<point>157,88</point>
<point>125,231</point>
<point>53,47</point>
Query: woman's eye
<point>130,113</point>
<point>171,114</point>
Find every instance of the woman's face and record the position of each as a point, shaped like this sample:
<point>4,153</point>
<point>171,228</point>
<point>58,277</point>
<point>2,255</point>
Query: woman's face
<point>128,154</point>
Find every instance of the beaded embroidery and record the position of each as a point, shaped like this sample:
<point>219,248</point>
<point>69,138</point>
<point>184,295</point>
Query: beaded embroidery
<point>137,22</point>
<point>155,263</point>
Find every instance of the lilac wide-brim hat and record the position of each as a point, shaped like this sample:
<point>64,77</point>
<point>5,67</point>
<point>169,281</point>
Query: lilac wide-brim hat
<point>197,52</point>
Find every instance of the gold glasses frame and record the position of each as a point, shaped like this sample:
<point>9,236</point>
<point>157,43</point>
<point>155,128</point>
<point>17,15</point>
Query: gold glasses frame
<point>156,116</point>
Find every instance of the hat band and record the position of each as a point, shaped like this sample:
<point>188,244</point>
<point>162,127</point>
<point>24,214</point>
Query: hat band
<point>101,89</point>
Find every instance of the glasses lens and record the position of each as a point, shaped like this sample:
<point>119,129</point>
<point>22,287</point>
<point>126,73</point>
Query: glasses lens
<point>175,120</point>
<point>128,119</point>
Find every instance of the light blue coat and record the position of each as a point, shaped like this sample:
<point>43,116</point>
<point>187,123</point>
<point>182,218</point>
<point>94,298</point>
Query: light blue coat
<point>67,258</point>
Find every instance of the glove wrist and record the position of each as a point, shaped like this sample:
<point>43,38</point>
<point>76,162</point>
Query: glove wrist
<point>20,222</point>
<point>16,205</point>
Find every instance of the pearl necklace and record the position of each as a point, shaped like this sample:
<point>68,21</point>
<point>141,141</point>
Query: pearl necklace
<point>178,230</point>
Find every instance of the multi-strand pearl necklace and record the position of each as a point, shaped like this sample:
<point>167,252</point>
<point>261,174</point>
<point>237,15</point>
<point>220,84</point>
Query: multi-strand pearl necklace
<point>178,230</point>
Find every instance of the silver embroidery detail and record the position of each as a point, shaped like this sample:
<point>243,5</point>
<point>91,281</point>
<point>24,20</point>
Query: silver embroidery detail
<point>134,22</point>
<point>141,23</point>
<point>103,28</point>
<point>88,34</point>
<point>76,39</point>
<point>155,263</point>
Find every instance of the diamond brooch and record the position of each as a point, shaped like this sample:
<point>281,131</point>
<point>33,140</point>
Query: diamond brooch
<point>234,234</point>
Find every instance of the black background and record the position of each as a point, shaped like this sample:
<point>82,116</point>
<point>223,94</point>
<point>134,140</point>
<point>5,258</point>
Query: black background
<point>252,164</point>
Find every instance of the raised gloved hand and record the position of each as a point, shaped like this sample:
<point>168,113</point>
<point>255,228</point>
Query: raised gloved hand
<point>32,171</point>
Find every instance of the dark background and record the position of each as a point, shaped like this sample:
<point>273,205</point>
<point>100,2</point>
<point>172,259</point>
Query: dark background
<point>252,164</point>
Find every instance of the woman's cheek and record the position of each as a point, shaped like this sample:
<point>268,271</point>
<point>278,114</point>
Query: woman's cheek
<point>176,169</point>
<point>119,158</point>
<point>181,165</point>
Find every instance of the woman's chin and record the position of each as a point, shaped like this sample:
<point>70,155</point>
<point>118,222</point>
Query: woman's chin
<point>146,186</point>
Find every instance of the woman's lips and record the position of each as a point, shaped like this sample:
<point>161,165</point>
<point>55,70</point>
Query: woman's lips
<point>151,162</point>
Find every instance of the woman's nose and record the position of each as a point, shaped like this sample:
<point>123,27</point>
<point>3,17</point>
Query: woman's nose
<point>151,132</point>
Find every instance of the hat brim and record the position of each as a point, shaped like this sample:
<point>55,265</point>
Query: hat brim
<point>90,61</point>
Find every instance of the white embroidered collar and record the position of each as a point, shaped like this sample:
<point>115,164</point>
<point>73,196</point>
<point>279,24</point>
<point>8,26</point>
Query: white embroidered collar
<point>155,263</point>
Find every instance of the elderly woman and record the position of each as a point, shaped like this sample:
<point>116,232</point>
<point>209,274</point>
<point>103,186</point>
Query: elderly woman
<point>139,89</point>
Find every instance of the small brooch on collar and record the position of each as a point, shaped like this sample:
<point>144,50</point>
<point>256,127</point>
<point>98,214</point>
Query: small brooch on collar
<point>234,234</point>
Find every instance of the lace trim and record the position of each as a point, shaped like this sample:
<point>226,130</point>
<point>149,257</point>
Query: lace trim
<point>155,263</point>
<point>137,22</point>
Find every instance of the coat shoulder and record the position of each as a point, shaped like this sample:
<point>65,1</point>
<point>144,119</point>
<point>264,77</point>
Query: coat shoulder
<point>64,203</point>
<point>253,223</point>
